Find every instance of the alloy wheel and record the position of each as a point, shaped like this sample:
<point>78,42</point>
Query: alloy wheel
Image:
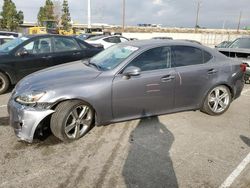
<point>219,99</point>
<point>78,122</point>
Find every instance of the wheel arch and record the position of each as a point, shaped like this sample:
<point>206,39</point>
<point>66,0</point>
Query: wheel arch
<point>218,84</point>
<point>53,107</point>
<point>9,75</point>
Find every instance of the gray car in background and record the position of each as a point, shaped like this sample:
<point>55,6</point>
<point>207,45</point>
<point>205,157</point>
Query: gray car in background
<point>127,81</point>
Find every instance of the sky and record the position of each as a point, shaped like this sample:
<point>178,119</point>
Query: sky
<point>170,13</point>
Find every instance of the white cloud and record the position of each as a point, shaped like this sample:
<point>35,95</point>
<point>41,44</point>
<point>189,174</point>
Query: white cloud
<point>157,2</point>
<point>167,12</point>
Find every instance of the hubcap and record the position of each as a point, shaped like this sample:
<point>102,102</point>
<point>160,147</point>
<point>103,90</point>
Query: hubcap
<point>218,99</point>
<point>78,122</point>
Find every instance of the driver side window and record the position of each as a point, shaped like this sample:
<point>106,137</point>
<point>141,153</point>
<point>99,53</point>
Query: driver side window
<point>153,59</point>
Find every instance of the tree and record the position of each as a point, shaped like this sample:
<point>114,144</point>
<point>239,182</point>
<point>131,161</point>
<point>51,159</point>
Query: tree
<point>10,17</point>
<point>65,19</point>
<point>20,17</point>
<point>46,12</point>
<point>41,17</point>
<point>57,11</point>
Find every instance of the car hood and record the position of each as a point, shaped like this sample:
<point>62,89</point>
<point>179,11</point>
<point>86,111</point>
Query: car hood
<point>58,76</point>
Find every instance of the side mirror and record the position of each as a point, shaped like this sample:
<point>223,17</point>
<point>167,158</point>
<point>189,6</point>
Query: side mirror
<point>132,71</point>
<point>23,52</point>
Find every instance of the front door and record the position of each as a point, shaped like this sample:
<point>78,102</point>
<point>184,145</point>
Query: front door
<point>39,56</point>
<point>150,93</point>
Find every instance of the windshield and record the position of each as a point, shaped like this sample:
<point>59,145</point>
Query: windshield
<point>113,56</point>
<point>7,47</point>
<point>240,43</point>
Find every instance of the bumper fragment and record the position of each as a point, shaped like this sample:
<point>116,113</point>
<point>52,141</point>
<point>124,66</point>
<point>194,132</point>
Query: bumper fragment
<point>25,120</point>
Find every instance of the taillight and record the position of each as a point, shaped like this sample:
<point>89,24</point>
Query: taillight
<point>243,67</point>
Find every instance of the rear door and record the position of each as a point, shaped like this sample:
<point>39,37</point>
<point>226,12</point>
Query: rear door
<point>66,49</point>
<point>196,74</point>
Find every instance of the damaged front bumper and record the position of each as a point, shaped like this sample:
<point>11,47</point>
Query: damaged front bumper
<point>25,119</point>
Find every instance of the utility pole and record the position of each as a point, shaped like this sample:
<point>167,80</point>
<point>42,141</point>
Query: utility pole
<point>89,14</point>
<point>197,15</point>
<point>238,28</point>
<point>123,14</point>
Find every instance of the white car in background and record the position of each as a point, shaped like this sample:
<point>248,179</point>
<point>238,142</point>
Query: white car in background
<point>106,41</point>
<point>4,39</point>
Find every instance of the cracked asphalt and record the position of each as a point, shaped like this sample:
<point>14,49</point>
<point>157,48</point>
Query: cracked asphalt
<point>187,149</point>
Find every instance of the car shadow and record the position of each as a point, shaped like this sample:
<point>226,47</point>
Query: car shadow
<point>148,163</point>
<point>245,139</point>
<point>4,121</point>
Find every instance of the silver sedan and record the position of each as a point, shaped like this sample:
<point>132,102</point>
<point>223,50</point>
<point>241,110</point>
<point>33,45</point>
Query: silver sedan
<point>127,81</point>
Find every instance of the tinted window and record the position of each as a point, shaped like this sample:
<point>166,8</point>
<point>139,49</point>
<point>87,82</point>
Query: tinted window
<point>153,59</point>
<point>123,39</point>
<point>186,55</point>
<point>39,46</point>
<point>113,40</point>
<point>82,45</point>
<point>207,56</point>
<point>65,44</point>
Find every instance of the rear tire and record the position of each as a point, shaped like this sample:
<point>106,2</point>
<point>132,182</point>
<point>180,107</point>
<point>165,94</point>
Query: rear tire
<point>217,101</point>
<point>4,83</point>
<point>72,120</point>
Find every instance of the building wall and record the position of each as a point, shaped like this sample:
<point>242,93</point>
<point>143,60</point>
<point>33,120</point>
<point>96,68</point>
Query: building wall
<point>208,39</point>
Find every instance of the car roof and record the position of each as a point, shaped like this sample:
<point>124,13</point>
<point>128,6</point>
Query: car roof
<point>45,35</point>
<point>152,42</point>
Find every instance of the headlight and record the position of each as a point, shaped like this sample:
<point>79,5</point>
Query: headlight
<point>30,98</point>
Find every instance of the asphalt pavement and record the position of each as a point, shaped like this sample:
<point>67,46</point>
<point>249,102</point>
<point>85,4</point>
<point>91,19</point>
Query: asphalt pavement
<point>187,149</point>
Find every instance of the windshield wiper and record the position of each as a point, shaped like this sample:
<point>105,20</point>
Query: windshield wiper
<point>93,64</point>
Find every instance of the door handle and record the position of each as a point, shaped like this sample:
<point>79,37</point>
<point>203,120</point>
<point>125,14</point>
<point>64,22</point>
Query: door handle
<point>212,71</point>
<point>47,57</point>
<point>76,53</point>
<point>167,78</point>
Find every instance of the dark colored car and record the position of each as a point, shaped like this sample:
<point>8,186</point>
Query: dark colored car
<point>239,49</point>
<point>224,44</point>
<point>127,81</point>
<point>26,55</point>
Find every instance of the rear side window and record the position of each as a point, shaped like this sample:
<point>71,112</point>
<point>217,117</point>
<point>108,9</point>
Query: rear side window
<point>113,40</point>
<point>207,56</point>
<point>65,44</point>
<point>187,55</point>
